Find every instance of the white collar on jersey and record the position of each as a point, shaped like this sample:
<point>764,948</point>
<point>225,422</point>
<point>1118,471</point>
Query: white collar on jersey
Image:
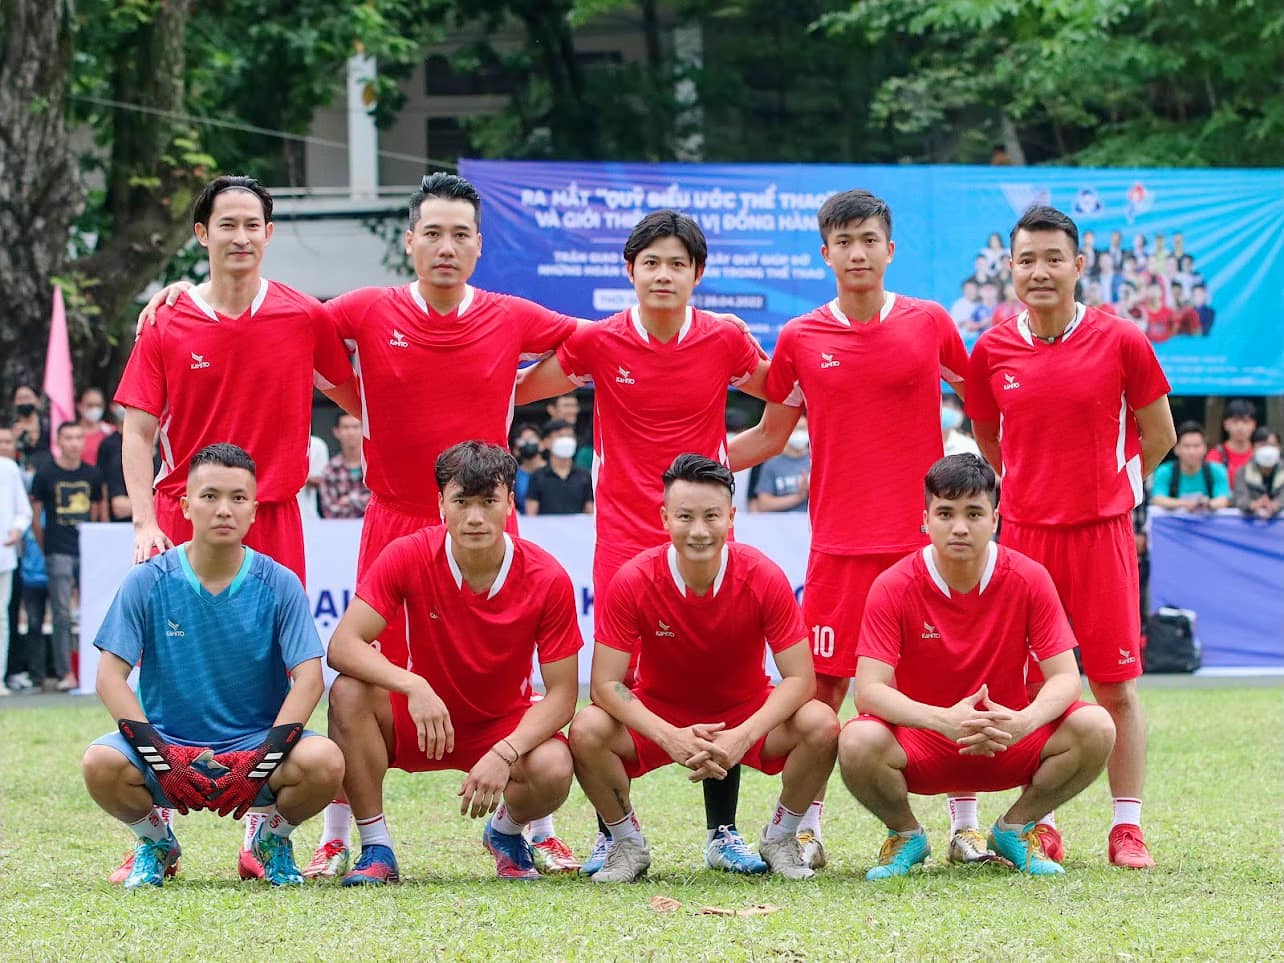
<point>1023,325</point>
<point>204,305</point>
<point>635,315</point>
<point>464,305</point>
<point>991,557</point>
<point>889,299</point>
<point>504,566</point>
<point>672,556</point>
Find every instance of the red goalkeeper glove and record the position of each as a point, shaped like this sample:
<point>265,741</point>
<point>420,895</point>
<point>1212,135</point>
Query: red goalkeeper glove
<point>182,785</point>
<point>249,769</point>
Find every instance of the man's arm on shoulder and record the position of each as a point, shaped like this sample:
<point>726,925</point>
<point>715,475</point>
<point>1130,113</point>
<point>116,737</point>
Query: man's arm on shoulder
<point>765,439</point>
<point>546,379</point>
<point>1158,435</point>
<point>756,383</point>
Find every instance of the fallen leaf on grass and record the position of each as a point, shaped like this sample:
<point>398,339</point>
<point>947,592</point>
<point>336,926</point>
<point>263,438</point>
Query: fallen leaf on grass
<point>758,909</point>
<point>664,904</point>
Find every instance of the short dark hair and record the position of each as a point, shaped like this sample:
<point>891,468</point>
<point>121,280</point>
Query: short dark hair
<point>556,424</point>
<point>516,431</point>
<point>476,467</point>
<point>65,425</point>
<point>338,418</point>
<point>699,470</point>
<point>1240,408</point>
<point>224,454</point>
<point>1190,428</point>
<point>660,224</point>
<point>1263,433</point>
<point>955,476</point>
<point>84,391</point>
<point>848,206</point>
<point>446,187</point>
<point>1041,217</point>
<point>229,182</point>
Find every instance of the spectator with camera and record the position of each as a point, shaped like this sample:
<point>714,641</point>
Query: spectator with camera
<point>1191,482</point>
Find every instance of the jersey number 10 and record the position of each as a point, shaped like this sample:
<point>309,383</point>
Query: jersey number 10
<point>822,641</point>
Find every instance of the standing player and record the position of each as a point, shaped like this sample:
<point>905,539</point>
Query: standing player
<point>661,371</point>
<point>479,605</point>
<point>699,611</point>
<point>236,359</point>
<point>940,682</point>
<point>220,631</point>
<point>1064,386</point>
<point>868,367</point>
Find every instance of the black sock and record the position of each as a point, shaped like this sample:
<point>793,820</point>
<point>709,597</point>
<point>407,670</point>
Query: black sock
<point>601,826</point>
<point>721,799</point>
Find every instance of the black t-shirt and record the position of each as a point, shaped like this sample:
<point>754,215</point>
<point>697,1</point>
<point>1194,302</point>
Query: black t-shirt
<point>560,496</point>
<point>66,496</point>
<point>111,464</point>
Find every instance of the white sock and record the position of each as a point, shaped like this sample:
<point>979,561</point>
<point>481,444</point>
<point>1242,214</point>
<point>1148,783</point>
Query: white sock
<point>962,813</point>
<point>1010,827</point>
<point>152,826</point>
<point>626,828</point>
<point>501,822</point>
<point>336,822</point>
<point>276,824</point>
<point>783,823</point>
<point>541,828</point>
<point>374,831</point>
<point>1049,820</point>
<point>811,818</point>
<point>252,820</point>
<point>1127,811</point>
<point>166,814</point>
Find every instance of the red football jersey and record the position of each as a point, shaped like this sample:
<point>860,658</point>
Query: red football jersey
<point>873,397</point>
<point>475,649</point>
<point>701,657</point>
<point>652,402</point>
<point>248,380</point>
<point>429,380</point>
<point>1070,442</point>
<point>945,645</point>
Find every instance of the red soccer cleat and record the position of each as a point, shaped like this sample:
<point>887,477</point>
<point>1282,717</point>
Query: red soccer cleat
<point>1128,848</point>
<point>1053,847</point>
<point>248,865</point>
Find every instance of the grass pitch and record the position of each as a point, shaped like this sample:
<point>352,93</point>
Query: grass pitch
<point>1213,817</point>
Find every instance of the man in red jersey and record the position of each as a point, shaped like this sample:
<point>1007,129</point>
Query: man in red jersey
<point>661,371</point>
<point>1063,378</point>
<point>480,604</point>
<point>234,359</point>
<point>940,682</point>
<point>867,367</point>
<point>699,611</point>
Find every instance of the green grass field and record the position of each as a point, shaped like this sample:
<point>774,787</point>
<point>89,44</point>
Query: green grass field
<point>1213,816</point>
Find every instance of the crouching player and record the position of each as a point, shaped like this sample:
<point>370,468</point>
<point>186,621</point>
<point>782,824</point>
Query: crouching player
<point>940,682</point>
<point>699,612</point>
<point>220,630</point>
<point>480,604</point>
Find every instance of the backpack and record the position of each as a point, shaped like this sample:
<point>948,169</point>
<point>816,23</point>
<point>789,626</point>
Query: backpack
<point>1171,643</point>
<point>1174,482</point>
<point>32,562</point>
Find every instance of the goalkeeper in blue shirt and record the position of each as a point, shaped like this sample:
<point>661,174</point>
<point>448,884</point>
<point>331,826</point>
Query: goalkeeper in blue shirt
<point>219,633</point>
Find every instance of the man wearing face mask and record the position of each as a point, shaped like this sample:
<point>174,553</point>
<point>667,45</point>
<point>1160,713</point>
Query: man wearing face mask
<point>1259,486</point>
<point>954,439</point>
<point>91,407</point>
<point>785,480</point>
<point>530,459</point>
<point>560,488</point>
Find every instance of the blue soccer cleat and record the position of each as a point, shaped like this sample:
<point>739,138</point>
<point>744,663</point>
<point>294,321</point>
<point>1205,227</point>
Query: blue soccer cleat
<point>513,857</point>
<point>729,852</point>
<point>376,866</point>
<point>601,846</point>
<point>899,854</point>
<point>154,859</point>
<point>1023,849</point>
<point>276,855</point>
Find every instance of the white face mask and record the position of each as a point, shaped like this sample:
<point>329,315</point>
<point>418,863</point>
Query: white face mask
<point>94,414</point>
<point>799,440</point>
<point>951,417</point>
<point>563,447</point>
<point>1268,456</point>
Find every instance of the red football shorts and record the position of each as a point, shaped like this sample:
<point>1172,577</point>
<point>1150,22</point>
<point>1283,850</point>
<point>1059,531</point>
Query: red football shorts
<point>651,756</point>
<point>1094,568</point>
<point>472,741</point>
<point>935,766</point>
<point>833,605</point>
<point>277,531</point>
<point>382,524</point>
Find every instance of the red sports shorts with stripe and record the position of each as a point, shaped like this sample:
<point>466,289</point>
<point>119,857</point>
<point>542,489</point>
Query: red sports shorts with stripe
<point>277,531</point>
<point>833,605</point>
<point>935,766</point>
<point>1094,568</point>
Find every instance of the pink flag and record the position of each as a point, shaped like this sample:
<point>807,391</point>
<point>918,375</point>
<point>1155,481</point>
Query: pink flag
<point>58,380</point>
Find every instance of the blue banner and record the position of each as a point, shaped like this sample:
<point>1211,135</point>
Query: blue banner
<point>1194,257</point>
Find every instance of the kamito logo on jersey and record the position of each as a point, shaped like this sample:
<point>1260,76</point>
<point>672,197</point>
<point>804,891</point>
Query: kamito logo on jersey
<point>175,631</point>
<point>198,361</point>
<point>930,631</point>
<point>623,377</point>
<point>1010,382</point>
<point>663,631</point>
<point>827,361</point>
<point>398,340</point>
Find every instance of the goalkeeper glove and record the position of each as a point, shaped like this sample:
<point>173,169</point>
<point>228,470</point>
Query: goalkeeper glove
<point>172,765</point>
<point>249,769</point>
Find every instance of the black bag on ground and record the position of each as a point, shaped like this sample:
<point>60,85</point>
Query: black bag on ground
<point>1171,644</point>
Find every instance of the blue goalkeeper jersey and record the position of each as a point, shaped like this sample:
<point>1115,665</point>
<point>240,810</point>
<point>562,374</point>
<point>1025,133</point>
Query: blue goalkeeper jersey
<point>213,669</point>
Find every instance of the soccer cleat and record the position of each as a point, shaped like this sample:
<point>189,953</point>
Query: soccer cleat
<point>121,872</point>
<point>553,856</point>
<point>276,856</point>
<point>785,856</point>
<point>376,866</point>
<point>969,846</point>
<point>626,860</point>
<point>899,854</point>
<point>248,865</point>
<point>813,849</point>
<point>1024,850</point>
<point>601,846</point>
<point>329,860</point>
<point>513,858</point>
<point>1053,847</point>
<point>728,851</point>
<point>154,859</point>
<point>1128,847</point>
